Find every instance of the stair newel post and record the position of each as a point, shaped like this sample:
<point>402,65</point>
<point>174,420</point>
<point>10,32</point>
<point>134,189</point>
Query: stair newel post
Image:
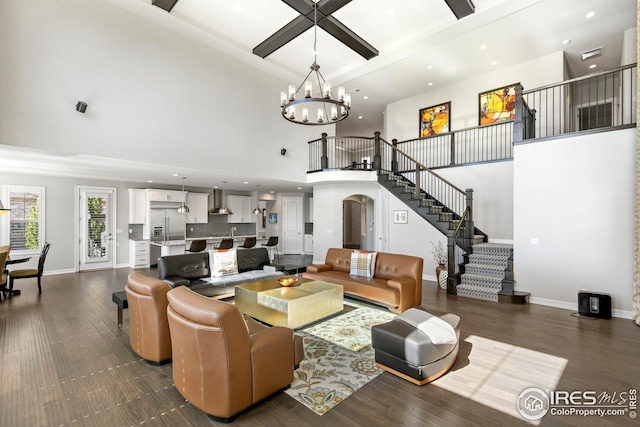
<point>453,148</point>
<point>377,159</point>
<point>324,160</point>
<point>452,282</point>
<point>518,125</point>
<point>394,156</point>
<point>416,189</point>
<point>468,222</point>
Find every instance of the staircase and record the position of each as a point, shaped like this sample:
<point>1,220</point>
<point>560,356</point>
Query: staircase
<point>486,272</point>
<point>488,266</point>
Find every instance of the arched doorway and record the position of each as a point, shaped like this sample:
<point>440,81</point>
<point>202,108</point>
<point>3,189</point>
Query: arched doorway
<point>358,222</point>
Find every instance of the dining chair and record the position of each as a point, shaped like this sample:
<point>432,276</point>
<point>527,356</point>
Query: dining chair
<point>225,244</point>
<point>4,254</point>
<point>271,245</point>
<point>197,245</point>
<point>249,242</point>
<point>29,273</point>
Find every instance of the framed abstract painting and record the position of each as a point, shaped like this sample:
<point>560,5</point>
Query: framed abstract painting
<point>497,105</point>
<point>435,119</point>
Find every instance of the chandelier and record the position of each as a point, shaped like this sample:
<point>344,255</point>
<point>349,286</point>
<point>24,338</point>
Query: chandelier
<point>318,98</point>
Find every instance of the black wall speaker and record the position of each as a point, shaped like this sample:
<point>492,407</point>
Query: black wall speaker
<point>81,106</point>
<point>283,151</point>
<point>594,305</point>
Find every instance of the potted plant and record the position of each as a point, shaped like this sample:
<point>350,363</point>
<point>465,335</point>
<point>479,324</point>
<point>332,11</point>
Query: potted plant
<point>439,253</point>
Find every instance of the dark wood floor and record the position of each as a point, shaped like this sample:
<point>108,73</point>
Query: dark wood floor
<point>64,362</point>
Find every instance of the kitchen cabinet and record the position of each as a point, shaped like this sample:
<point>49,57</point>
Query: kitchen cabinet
<point>166,196</point>
<point>139,253</point>
<point>137,206</point>
<point>308,243</point>
<point>241,208</point>
<point>198,204</point>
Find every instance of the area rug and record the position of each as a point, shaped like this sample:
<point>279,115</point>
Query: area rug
<point>338,360</point>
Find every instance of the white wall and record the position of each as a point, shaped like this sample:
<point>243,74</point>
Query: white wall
<point>576,197</point>
<point>413,238</point>
<point>60,215</point>
<point>151,92</point>
<point>492,185</point>
<point>401,117</point>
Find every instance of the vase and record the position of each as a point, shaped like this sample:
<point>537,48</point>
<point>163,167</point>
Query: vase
<point>440,268</point>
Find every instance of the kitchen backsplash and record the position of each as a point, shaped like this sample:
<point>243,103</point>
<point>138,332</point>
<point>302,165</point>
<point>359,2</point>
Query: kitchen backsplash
<point>216,227</point>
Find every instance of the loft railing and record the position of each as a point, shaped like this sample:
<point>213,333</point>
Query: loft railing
<point>462,147</point>
<point>603,101</point>
<point>341,152</point>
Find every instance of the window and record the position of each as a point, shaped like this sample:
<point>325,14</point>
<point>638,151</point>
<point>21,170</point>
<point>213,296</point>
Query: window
<point>26,218</point>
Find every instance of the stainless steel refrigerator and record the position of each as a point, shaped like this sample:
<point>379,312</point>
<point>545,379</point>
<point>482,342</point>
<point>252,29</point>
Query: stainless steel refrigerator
<point>166,222</point>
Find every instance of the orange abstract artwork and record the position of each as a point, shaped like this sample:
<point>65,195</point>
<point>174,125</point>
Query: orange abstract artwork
<point>435,120</point>
<point>497,105</point>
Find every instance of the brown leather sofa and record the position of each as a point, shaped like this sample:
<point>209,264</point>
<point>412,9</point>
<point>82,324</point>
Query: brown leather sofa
<point>222,362</point>
<point>148,327</point>
<point>396,283</point>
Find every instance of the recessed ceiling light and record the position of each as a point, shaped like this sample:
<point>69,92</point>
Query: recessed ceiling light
<point>494,63</point>
<point>429,67</point>
<point>271,191</point>
<point>175,174</point>
<point>149,180</point>
<point>590,15</point>
<point>365,97</point>
<point>592,66</point>
<point>299,188</point>
<point>215,186</point>
<point>566,42</point>
<point>360,117</point>
<point>430,83</point>
<point>483,47</point>
<point>246,182</point>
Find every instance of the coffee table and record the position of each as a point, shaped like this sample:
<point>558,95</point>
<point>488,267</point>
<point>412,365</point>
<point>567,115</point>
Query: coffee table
<point>306,302</point>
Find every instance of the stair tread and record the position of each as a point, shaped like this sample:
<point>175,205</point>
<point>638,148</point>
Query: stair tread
<point>514,293</point>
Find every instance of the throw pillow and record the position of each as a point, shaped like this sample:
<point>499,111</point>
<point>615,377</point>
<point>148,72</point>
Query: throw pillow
<point>223,262</point>
<point>363,264</point>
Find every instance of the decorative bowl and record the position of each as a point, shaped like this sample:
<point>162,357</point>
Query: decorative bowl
<point>287,280</point>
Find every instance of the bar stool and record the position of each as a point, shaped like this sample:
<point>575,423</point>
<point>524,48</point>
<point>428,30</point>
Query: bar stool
<point>197,245</point>
<point>249,242</point>
<point>225,244</point>
<point>270,245</point>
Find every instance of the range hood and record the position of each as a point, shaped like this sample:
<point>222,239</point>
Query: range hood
<point>219,207</point>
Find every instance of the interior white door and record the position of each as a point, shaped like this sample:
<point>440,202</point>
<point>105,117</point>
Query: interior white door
<point>96,230</point>
<point>292,225</point>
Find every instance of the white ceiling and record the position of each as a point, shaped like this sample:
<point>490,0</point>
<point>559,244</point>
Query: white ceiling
<point>421,46</point>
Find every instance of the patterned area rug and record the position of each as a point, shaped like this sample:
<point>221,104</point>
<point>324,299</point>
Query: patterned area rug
<point>338,358</point>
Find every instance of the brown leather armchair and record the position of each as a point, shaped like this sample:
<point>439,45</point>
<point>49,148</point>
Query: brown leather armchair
<point>148,327</point>
<point>222,362</point>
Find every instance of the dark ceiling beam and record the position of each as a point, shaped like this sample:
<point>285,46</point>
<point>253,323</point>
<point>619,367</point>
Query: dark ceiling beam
<point>461,8</point>
<point>165,4</point>
<point>283,36</point>
<point>322,16</point>
<point>340,31</point>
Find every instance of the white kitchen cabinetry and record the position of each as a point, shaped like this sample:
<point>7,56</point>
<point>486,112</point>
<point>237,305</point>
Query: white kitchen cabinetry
<point>308,243</point>
<point>137,206</point>
<point>166,196</point>
<point>241,208</point>
<point>139,253</point>
<point>198,204</point>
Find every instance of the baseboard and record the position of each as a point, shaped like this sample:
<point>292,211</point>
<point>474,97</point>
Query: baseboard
<point>622,314</point>
<point>62,271</point>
